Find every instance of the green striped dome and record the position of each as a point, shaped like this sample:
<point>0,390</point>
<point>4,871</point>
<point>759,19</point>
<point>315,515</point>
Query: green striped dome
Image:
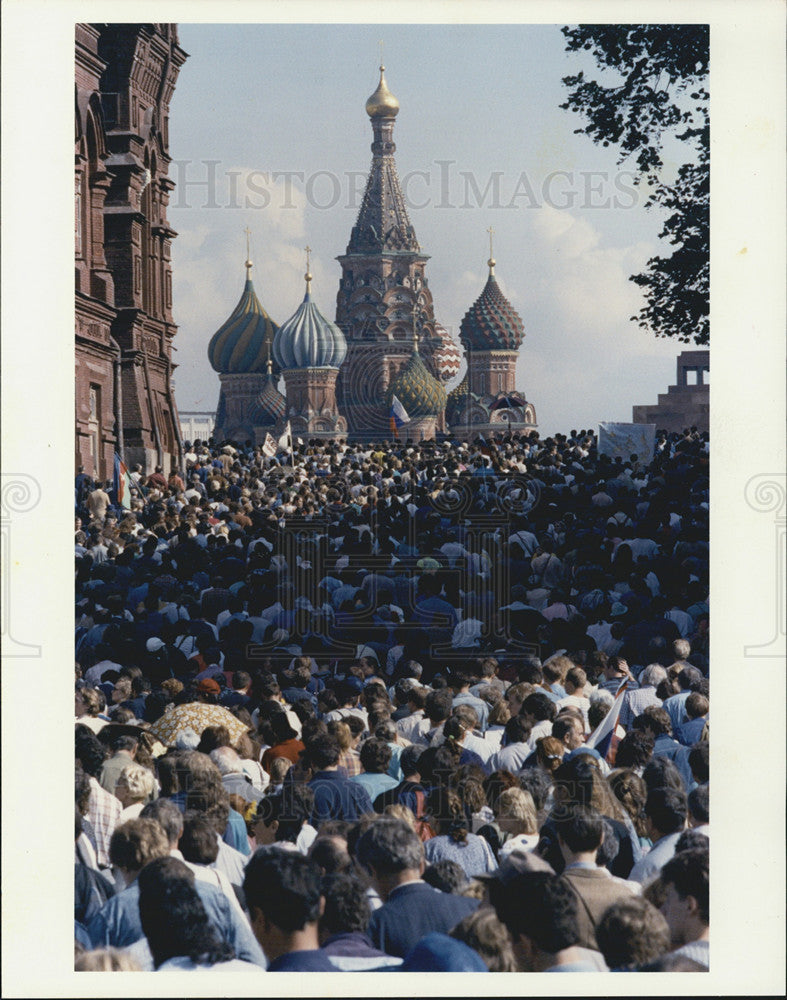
<point>491,323</point>
<point>417,389</point>
<point>244,342</point>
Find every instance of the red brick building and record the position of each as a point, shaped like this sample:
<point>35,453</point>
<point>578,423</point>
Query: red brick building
<point>125,76</point>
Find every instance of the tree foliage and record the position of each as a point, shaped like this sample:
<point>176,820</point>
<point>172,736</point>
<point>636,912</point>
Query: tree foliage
<point>652,88</point>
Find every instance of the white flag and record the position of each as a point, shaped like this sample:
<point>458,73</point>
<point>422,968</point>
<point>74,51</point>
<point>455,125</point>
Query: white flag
<point>269,446</point>
<point>285,441</point>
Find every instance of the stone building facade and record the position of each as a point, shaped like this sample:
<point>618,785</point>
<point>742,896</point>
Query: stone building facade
<point>685,404</point>
<point>124,79</point>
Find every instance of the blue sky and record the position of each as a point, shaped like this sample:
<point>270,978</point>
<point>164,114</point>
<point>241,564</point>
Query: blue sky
<point>481,141</point>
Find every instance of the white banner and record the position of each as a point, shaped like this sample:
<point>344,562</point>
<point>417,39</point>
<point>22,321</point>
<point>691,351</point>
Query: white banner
<point>625,440</point>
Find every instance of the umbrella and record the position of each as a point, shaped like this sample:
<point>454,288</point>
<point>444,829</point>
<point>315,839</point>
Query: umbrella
<point>196,715</point>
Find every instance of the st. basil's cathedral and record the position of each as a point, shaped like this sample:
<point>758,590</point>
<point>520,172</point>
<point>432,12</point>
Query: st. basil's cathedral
<point>340,377</point>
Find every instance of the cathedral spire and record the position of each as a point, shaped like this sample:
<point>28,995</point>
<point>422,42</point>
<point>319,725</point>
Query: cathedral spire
<point>383,225</point>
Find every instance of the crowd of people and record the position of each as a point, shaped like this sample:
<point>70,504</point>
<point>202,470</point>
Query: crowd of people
<point>338,709</point>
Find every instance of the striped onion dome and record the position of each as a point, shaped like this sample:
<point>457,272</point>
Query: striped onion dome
<point>491,323</point>
<point>242,343</point>
<point>447,358</point>
<point>308,339</point>
<point>270,405</point>
<point>457,399</point>
<point>417,389</point>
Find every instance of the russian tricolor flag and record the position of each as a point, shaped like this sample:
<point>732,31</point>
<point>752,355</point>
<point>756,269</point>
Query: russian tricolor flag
<point>607,734</point>
<point>399,416</point>
<point>123,483</point>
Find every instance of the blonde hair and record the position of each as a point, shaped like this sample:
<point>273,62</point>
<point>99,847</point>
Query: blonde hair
<point>399,811</point>
<point>106,960</point>
<point>517,804</point>
<point>278,769</point>
<point>139,780</point>
<point>342,733</point>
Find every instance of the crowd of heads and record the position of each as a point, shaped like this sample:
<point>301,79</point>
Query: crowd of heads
<point>389,661</point>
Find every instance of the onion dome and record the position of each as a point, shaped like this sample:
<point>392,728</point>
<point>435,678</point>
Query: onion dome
<point>382,103</point>
<point>242,343</point>
<point>457,400</point>
<point>491,323</point>
<point>308,339</point>
<point>270,406</point>
<point>446,358</point>
<point>417,389</point>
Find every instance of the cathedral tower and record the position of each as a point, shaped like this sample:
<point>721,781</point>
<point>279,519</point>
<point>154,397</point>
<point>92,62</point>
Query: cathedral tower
<point>383,286</point>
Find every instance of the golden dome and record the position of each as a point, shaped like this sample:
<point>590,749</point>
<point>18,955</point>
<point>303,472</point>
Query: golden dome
<point>382,103</point>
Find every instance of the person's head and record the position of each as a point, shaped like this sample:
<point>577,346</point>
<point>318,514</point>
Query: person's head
<point>448,811</point>
<point>485,934</point>
<point>347,909</point>
<point>538,707</point>
<point>541,913</point>
<point>282,890</point>
<point>517,730</point>
<point>322,752</point>
<point>691,840</point>
<point>198,843</point>
<point>665,810</point>
<point>212,738</point>
<point>400,811</point>
<point>375,756</point>
<point>685,878</point>
<point>88,701</point>
<point>446,875</point>
<point>516,694</point>
<point>575,681</point>
<point>632,932</point>
<point>173,916</point>
<point>634,750</point>
<point>391,852</point>
<point>438,705</point>
<point>661,772</point>
<point>632,792</point>
<point>168,817</point>
<point>699,762</point>
<point>330,853</point>
<point>655,721</point>
<point>515,812</point>
<point>134,844</point>
<point>699,805</point>
<point>580,831</point>
<point>408,761</point>
<point>697,705</point>
<point>568,729</point>
<point>135,784</point>
<point>280,817</point>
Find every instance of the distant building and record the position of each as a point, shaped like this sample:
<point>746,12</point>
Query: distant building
<point>340,378</point>
<point>197,425</point>
<point>686,404</point>
<point>124,78</point>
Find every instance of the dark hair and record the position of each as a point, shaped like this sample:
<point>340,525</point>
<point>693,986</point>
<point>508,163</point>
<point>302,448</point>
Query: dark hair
<point>699,760</point>
<point>536,781</point>
<point>517,730</point>
<point>198,842</point>
<point>634,750</point>
<point>446,807</point>
<point>541,907</point>
<point>281,727</point>
<point>438,705</point>
<point>446,875</point>
<point>290,808</point>
<point>689,873</point>
<point>580,827</point>
<point>540,706</point>
<point>89,751</point>
<point>284,886</point>
<point>632,932</point>
<point>697,705</point>
<point>390,846</point>
<point>691,840</point>
<point>654,720</point>
<point>168,817</point>
<point>347,907</point>
<point>667,809</point>
<point>212,738</point>
<point>322,751</point>
<point>699,803</point>
<point>375,756</point>
<point>330,856</point>
<point>408,761</point>
<point>661,772</point>
<point>173,916</point>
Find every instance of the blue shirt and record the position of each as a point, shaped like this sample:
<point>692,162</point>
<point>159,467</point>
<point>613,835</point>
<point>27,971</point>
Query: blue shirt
<point>303,961</point>
<point>117,924</point>
<point>336,797</point>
